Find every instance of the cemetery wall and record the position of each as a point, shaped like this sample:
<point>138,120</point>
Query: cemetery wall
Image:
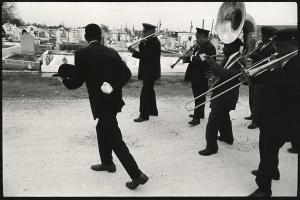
<point>9,64</point>
<point>11,50</point>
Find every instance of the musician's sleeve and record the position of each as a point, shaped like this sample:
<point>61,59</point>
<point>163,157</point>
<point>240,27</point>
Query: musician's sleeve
<point>78,79</point>
<point>204,64</point>
<point>148,53</point>
<point>256,53</point>
<point>224,74</point>
<point>136,54</point>
<point>122,73</point>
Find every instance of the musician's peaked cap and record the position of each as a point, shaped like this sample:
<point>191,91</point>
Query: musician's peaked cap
<point>287,34</point>
<point>202,31</point>
<point>268,30</point>
<point>65,71</point>
<point>148,26</point>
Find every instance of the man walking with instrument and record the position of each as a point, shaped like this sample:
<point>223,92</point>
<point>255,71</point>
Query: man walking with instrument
<point>219,118</point>
<point>196,74</point>
<point>105,74</point>
<point>149,71</point>
<point>279,118</point>
<point>263,50</point>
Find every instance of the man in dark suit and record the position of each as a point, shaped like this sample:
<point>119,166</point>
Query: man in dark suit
<point>149,71</point>
<point>279,117</point>
<point>104,74</point>
<point>219,118</point>
<point>196,74</point>
<point>263,50</point>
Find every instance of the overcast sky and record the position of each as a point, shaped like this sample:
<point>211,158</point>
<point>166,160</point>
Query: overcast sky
<point>173,15</point>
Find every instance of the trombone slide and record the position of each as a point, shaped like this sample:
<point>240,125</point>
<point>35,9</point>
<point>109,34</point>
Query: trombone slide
<point>144,38</point>
<point>256,71</point>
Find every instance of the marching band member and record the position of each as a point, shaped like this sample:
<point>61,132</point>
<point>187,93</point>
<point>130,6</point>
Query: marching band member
<point>263,50</point>
<point>196,74</point>
<point>219,118</point>
<point>149,71</point>
<point>105,74</point>
<point>279,117</point>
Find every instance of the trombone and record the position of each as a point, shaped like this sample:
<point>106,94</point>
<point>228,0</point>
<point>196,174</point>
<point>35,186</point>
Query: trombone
<point>269,66</point>
<point>254,70</point>
<point>144,38</point>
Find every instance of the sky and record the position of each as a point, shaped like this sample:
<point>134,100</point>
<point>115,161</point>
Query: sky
<point>175,16</point>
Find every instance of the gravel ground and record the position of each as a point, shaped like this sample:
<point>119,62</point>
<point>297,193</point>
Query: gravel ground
<point>49,145</point>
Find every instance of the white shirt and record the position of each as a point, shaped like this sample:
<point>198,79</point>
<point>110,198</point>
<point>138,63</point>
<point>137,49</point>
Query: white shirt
<point>92,41</point>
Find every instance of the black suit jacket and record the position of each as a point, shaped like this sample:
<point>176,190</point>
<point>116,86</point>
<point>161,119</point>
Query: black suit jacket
<point>96,64</point>
<point>149,55</point>
<point>281,97</point>
<point>262,52</point>
<point>196,68</point>
<point>228,100</point>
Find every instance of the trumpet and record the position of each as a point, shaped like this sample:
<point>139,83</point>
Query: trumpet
<point>182,55</point>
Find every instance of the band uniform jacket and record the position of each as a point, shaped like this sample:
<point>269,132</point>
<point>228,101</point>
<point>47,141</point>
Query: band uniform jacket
<point>149,55</point>
<point>228,100</point>
<point>196,68</point>
<point>281,97</point>
<point>262,52</point>
<point>94,65</point>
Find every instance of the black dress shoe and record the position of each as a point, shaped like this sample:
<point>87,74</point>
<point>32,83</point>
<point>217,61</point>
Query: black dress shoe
<point>141,119</point>
<point>194,122</point>
<point>252,126</point>
<point>101,167</point>
<point>191,115</point>
<point>292,150</point>
<point>208,152</point>
<point>276,176</point>
<point>260,193</point>
<point>142,179</point>
<point>248,118</point>
<point>225,140</point>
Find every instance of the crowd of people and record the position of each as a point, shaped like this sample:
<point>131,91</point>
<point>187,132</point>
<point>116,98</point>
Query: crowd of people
<point>274,95</point>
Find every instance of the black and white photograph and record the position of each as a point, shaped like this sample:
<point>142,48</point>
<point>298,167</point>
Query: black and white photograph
<point>150,99</point>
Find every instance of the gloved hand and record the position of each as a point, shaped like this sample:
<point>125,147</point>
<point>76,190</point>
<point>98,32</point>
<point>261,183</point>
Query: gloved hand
<point>106,88</point>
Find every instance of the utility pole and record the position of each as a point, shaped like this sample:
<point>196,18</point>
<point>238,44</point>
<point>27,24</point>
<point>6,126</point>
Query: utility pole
<point>211,30</point>
<point>202,23</point>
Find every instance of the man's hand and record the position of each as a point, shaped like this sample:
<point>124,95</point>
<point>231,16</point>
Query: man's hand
<point>106,88</point>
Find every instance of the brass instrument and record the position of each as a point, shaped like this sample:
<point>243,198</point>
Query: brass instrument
<point>263,47</point>
<point>144,38</point>
<point>182,55</point>
<point>237,75</point>
<point>270,65</point>
<point>232,20</point>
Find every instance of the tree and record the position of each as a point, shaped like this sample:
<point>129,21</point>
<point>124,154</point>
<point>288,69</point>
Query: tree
<point>8,11</point>
<point>17,22</point>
